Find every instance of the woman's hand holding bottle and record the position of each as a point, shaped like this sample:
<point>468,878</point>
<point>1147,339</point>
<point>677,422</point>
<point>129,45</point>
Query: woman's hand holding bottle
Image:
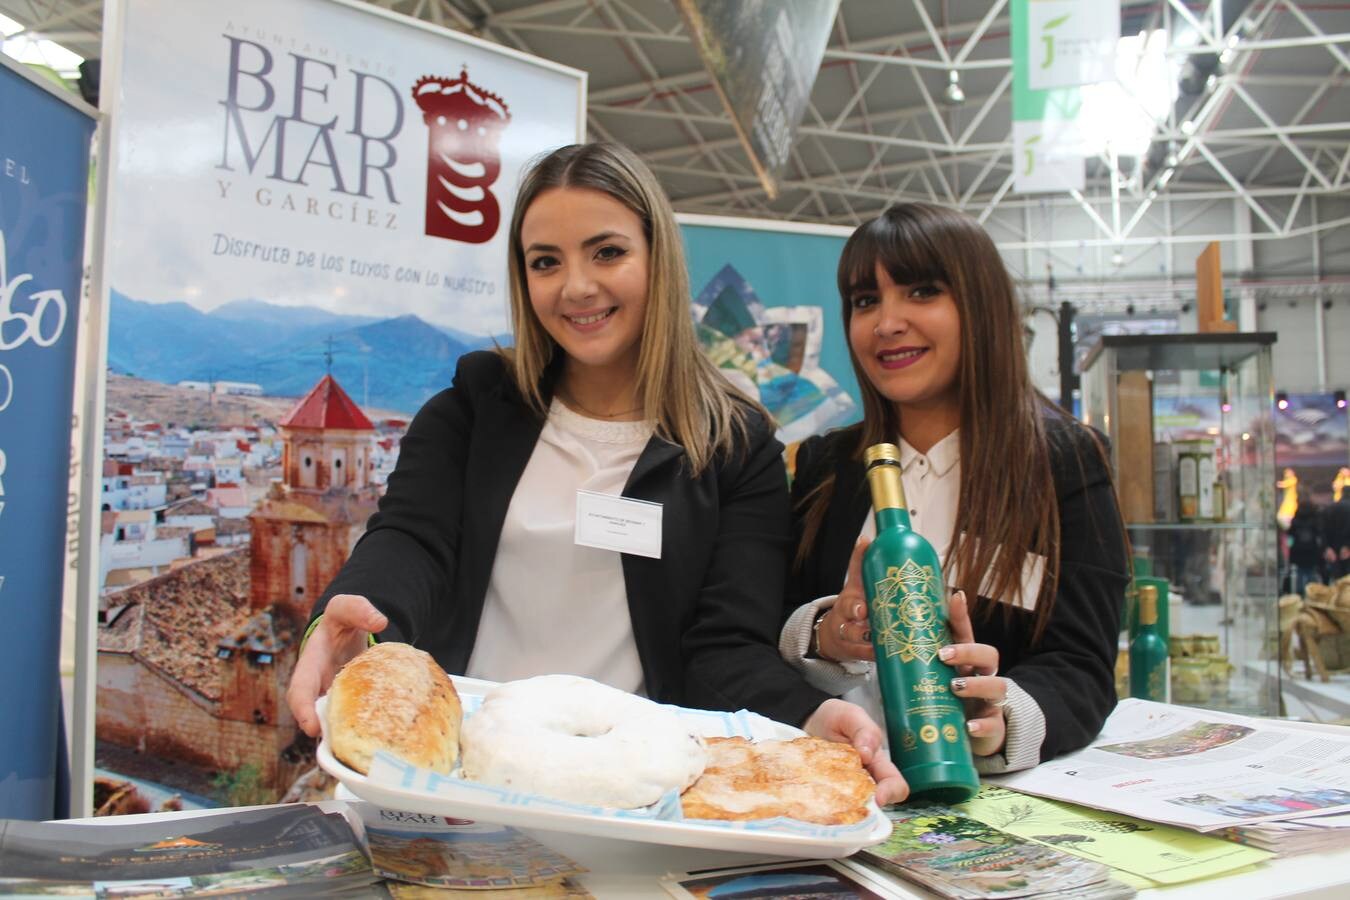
<point>977,682</point>
<point>844,634</point>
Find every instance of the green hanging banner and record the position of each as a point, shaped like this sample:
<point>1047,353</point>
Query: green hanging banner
<point>1057,45</point>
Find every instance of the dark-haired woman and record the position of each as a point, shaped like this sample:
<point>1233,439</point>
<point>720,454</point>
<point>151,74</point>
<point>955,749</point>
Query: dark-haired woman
<point>1015,496</point>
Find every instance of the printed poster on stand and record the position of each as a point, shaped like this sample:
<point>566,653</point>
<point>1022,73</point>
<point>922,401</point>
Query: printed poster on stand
<point>306,227</point>
<point>767,311</point>
<point>44,181</point>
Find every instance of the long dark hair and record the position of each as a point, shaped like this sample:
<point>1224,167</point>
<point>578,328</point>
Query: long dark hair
<point>1007,497</point>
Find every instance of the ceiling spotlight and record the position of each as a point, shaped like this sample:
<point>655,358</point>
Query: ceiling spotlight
<point>1340,399</point>
<point>1281,400</point>
<point>1172,158</point>
<point>1211,83</point>
<point>1187,127</point>
<point>955,96</point>
<point>1118,259</point>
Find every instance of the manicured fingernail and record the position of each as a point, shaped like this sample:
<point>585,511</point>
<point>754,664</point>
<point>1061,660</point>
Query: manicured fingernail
<point>974,726</point>
<point>867,634</point>
<point>858,611</point>
<point>959,685</point>
<point>946,653</point>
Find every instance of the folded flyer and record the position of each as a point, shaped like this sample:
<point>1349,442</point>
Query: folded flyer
<point>1160,853</point>
<point>436,851</point>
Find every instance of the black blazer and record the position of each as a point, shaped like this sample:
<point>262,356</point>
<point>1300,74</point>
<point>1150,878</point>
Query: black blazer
<point>705,615</point>
<point>1071,672</point>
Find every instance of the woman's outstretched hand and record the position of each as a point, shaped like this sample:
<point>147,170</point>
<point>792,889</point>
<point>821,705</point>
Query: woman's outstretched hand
<point>847,723</point>
<point>342,632</point>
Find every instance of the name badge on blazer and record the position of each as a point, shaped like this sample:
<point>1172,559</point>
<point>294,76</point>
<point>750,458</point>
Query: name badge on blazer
<point>622,524</point>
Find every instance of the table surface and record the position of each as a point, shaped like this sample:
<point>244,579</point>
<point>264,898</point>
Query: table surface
<point>629,869</point>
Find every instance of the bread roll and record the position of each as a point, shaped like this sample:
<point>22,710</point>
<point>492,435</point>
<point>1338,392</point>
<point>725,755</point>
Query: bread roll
<point>394,697</point>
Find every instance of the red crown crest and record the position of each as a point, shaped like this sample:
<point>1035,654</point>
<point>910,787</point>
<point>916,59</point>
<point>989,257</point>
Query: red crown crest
<point>457,97</point>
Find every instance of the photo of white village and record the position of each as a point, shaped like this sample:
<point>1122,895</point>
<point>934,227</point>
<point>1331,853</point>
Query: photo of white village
<point>229,503</point>
<point>222,521</point>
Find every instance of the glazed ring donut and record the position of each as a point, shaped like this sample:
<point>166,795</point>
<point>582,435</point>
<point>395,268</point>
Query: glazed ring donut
<point>574,739</point>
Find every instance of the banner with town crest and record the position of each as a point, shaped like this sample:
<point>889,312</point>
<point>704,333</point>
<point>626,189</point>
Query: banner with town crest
<point>306,227</point>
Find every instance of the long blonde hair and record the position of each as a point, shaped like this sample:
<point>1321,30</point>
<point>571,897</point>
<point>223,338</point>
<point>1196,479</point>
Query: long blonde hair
<point>690,403</point>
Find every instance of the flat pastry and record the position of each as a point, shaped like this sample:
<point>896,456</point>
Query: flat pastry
<point>394,697</point>
<point>808,779</point>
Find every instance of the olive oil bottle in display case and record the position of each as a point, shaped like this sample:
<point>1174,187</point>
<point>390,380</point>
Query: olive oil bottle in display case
<point>1148,651</point>
<point>907,609</point>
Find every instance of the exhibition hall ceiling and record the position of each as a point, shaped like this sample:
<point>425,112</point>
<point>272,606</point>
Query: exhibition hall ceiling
<point>1248,100</point>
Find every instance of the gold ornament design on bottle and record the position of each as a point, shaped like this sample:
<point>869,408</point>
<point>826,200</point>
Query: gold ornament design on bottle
<point>913,626</point>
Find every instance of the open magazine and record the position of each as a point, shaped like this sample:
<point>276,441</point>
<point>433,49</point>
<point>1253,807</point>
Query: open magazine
<point>959,857</point>
<point>1199,769</point>
<point>277,851</point>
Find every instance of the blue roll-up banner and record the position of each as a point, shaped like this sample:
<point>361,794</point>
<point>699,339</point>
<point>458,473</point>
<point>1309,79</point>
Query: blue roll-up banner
<point>44,178</point>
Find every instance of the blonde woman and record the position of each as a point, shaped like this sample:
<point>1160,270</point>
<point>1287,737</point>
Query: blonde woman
<point>605,404</point>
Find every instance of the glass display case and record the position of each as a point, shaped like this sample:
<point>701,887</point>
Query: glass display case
<point>1192,442</point>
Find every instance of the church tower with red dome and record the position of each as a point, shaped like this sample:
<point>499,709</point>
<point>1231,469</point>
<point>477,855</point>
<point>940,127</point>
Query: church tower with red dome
<point>300,535</point>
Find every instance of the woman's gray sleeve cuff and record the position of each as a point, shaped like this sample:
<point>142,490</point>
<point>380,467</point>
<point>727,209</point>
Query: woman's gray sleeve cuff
<point>1026,732</point>
<point>822,674</point>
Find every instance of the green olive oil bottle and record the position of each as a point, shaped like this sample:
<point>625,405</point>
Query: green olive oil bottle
<point>902,577</point>
<point>1148,651</point>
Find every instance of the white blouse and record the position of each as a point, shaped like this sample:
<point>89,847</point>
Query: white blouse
<point>553,606</point>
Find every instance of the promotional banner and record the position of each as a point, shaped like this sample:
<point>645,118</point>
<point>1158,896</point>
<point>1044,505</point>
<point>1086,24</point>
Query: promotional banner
<point>306,228</point>
<point>1057,45</point>
<point>1047,155</point>
<point>768,314</point>
<point>44,177</point>
<point>763,59</point>
<point>1071,42</point>
<point>320,155</point>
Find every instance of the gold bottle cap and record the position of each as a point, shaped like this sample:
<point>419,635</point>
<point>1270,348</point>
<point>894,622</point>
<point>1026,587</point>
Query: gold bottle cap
<point>1148,604</point>
<point>879,452</point>
<point>883,476</point>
